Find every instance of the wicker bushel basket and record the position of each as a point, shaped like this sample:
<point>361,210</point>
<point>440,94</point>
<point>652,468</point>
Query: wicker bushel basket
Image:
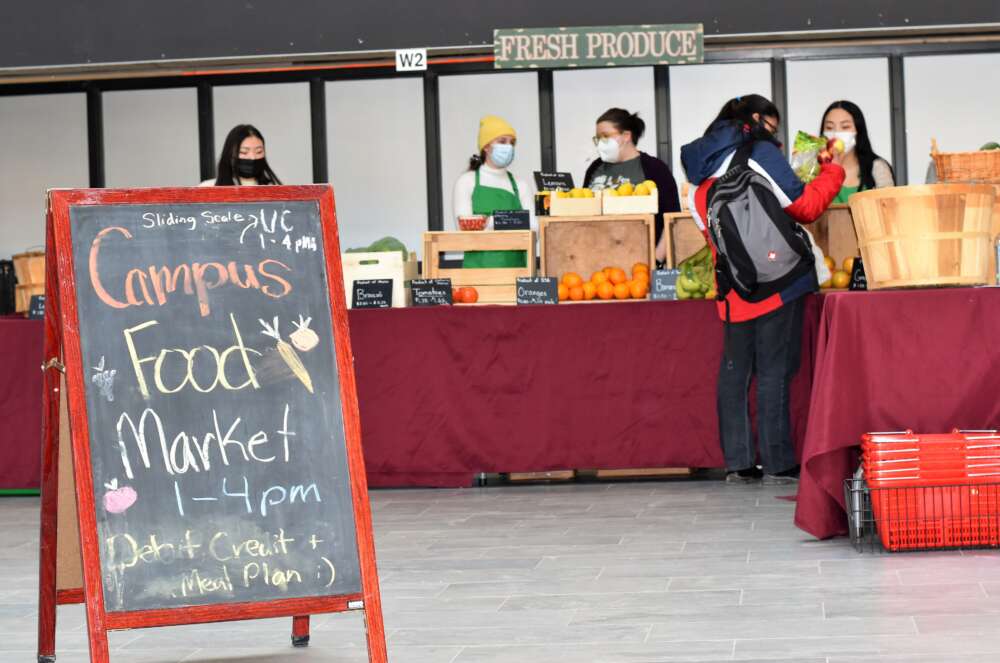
<point>29,267</point>
<point>980,166</point>
<point>931,235</point>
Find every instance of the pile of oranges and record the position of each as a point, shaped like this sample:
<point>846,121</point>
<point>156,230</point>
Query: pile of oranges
<point>608,283</point>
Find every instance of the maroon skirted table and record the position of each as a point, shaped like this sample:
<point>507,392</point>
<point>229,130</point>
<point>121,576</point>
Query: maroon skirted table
<point>926,360</point>
<point>20,403</point>
<point>449,392</point>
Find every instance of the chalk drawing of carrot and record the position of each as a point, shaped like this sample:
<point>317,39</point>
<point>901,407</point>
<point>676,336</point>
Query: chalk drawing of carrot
<point>288,353</point>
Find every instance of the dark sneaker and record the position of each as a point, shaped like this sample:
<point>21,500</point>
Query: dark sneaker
<point>786,478</point>
<point>750,475</point>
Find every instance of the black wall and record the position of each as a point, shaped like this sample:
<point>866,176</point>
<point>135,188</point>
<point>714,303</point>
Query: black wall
<point>35,33</point>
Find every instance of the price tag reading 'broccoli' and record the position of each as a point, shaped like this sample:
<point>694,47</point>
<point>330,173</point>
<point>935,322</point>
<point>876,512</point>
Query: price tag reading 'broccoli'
<point>372,293</point>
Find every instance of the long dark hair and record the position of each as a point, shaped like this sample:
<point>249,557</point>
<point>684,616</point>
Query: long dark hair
<point>231,152</point>
<point>625,121</point>
<point>477,160</point>
<point>739,111</point>
<point>862,145</point>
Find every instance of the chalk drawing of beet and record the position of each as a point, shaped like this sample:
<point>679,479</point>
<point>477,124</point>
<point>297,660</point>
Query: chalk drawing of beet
<point>118,500</point>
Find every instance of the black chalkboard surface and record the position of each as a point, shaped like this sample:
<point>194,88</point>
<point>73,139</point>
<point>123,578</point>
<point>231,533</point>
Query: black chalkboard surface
<point>216,432</point>
<point>36,307</point>
<point>553,181</point>
<point>431,292</point>
<point>371,293</point>
<point>537,290</point>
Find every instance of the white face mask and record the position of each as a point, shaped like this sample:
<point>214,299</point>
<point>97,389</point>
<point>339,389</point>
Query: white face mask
<point>609,150</point>
<point>850,138</point>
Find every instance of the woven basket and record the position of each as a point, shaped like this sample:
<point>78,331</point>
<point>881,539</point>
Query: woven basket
<point>980,166</point>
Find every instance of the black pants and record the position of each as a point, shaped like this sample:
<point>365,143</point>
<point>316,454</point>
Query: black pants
<point>770,347</point>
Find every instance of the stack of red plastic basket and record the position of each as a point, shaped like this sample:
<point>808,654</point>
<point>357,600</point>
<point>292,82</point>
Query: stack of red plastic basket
<point>934,491</point>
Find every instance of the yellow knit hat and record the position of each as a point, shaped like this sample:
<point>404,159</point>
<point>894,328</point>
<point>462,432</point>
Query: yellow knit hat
<point>492,127</point>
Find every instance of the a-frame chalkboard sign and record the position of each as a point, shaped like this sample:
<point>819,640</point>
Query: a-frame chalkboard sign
<point>206,462</point>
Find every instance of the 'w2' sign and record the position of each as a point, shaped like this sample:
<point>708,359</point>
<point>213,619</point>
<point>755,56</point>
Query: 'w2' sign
<point>411,59</point>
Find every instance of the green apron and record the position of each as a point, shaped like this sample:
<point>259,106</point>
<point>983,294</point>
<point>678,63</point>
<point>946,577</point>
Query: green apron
<point>486,200</point>
<point>845,193</point>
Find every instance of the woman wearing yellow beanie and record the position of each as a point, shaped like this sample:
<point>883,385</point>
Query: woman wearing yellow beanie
<point>488,187</point>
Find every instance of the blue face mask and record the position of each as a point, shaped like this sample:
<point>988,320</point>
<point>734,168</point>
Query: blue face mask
<point>502,154</point>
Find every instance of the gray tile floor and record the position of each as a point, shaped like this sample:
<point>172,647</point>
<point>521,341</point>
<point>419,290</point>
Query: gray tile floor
<point>636,572</point>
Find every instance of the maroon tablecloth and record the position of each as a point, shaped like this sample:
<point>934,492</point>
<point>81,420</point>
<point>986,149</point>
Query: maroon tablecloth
<point>20,402</point>
<point>926,360</point>
<point>446,393</point>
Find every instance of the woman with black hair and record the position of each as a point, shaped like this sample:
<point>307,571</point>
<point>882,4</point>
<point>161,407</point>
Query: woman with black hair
<point>243,161</point>
<point>763,337</point>
<point>617,138</point>
<point>864,170</point>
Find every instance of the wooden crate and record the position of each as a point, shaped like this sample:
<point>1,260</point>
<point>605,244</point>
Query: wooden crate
<point>495,285</point>
<point>575,206</point>
<point>930,235</point>
<point>683,237</point>
<point>380,265</point>
<point>644,473</point>
<point>834,234</point>
<point>553,475</point>
<point>587,244</point>
<point>29,267</point>
<point>833,231</point>
<point>630,204</point>
<point>23,295</point>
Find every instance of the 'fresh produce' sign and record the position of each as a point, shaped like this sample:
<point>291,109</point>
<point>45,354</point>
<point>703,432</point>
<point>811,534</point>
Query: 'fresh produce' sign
<point>619,45</point>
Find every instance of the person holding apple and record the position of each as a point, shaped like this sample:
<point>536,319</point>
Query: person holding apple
<point>488,186</point>
<point>865,170</point>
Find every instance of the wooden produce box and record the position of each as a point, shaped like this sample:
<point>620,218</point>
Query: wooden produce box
<point>23,295</point>
<point>29,267</point>
<point>380,265</point>
<point>833,231</point>
<point>575,206</point>
<point>495,285</point>
<point>834,234</point>
<point>630,204</point>
<point>587,244</point>
<point>683,237</point>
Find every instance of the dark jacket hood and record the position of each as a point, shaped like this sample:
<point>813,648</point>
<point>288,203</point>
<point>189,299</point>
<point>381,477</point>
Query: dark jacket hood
<point>702,157</point>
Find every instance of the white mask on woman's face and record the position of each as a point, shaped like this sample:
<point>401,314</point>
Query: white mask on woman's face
<point>850,138</point>
<point>609,150</point>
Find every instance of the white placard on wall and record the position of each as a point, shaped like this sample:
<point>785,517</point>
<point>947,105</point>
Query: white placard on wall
<point>151,138</point>
<point>953,98</point>
<point>377,160</point>
<point>44,139</point>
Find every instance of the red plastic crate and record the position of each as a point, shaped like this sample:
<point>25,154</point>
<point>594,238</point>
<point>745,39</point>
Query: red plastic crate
<point>934,491</point>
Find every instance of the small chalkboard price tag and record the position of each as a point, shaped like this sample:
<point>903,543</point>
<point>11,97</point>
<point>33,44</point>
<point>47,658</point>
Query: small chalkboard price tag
<point>431,292</point>
<point>372,293</point>
<point>858,279</point>
<point>517,219</point>
<point>664,286</point>
<point>36,307</point>
<point>537,290</point>
<point>553,181</point>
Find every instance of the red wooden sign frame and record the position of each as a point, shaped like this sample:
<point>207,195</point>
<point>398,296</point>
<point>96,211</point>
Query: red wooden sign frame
<point>62,339</point>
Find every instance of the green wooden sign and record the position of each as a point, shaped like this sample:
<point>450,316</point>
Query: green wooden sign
<point>619,45</point>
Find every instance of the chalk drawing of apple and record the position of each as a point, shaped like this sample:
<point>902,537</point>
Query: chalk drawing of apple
<point>118,500</point>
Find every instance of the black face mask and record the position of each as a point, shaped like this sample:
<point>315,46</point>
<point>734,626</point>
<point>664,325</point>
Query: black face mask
<point>250,167</point>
